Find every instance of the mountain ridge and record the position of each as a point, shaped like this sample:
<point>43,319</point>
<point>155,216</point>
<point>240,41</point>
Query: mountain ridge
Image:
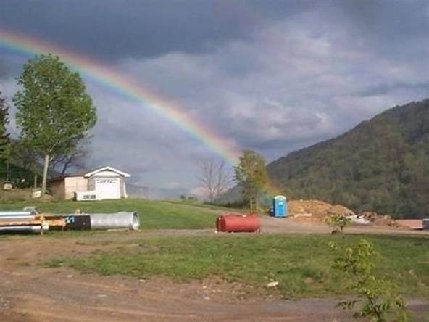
<point>382,165</point>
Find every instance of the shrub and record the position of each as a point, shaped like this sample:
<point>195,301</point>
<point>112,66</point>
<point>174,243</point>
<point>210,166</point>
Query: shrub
<point>380,297</point>
<point>337,222</point>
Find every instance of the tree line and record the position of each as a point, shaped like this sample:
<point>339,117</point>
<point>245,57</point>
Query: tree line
<point>54,115</point>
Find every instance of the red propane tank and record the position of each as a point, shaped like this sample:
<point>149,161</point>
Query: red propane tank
<point>234,223</point>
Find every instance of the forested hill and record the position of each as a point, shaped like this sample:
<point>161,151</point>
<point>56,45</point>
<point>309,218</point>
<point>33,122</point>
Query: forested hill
<point>381,165</point>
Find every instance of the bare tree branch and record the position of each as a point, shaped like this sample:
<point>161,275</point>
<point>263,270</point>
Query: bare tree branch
<point>76,159</point>
<point>215,177</point>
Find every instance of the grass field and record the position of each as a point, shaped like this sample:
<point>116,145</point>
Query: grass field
<point>153,214</point>
<point>300,263</point>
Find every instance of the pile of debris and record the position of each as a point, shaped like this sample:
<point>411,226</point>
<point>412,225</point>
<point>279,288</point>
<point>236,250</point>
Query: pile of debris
<point>376,219</point>
<point>315,210</point>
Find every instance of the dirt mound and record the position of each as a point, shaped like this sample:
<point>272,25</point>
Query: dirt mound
<point>315,210</point>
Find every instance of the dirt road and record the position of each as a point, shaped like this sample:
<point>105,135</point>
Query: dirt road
<point>30,292</point>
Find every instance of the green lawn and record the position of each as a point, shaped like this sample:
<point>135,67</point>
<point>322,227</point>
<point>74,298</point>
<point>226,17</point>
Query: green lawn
<point>301,264</point>
<point>153,214</point>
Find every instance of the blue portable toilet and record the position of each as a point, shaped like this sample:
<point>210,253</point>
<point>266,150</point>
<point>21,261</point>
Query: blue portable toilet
<point>280,206</point>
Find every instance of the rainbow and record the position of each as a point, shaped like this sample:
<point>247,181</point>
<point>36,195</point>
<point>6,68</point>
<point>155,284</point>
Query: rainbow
<point>23,45</point>
<point>126,86</point>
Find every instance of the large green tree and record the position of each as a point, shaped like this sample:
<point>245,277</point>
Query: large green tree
<point>251,175</point>
<point>54,112</point>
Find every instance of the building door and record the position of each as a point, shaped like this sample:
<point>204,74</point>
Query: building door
<point>108,188</point>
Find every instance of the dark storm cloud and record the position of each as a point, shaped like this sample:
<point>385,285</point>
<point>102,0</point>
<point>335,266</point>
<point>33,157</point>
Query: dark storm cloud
<point>397,29</point>
<point>302,79</point>
<point>113,29</point>
<point>386,20</point>
<point>272,76</point>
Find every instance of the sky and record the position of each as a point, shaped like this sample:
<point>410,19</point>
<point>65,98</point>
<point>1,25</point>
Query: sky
<point>272,76</point>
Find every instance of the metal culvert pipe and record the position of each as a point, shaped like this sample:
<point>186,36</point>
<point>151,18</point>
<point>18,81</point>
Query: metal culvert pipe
<point>117,220</point>
<point>16,215</point>
<point>16,218</point>
<point>30,229</point>
<point>78,222</point>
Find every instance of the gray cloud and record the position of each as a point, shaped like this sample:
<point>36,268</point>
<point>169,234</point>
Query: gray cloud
<point>272,76</point>
<point>113,29</point>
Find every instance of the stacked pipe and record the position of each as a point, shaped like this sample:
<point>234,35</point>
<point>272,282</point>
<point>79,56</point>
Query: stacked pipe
<point>22,221</point>
<point>31,221</point>
<point>16,215</point>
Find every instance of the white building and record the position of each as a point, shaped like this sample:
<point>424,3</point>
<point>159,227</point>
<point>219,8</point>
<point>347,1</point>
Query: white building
<point>100,184</point>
